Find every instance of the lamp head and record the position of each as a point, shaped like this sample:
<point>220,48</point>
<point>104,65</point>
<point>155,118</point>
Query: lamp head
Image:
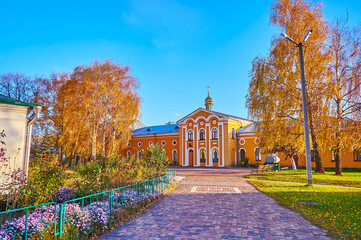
<point>37,109</point>
<point>307,35</point>
<point>284,35</point>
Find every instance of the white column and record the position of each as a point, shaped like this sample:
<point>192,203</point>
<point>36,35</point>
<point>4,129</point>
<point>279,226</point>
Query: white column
<point>222,145</point>
<point>209,145</point>
<point>195,152</point>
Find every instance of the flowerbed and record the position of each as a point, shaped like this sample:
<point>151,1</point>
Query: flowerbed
<point>48,175</point>
<point>74,218</point>
<point>79,200</point>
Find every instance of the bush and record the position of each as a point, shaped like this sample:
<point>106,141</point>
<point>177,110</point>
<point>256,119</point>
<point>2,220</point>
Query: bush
<point>64,194</point>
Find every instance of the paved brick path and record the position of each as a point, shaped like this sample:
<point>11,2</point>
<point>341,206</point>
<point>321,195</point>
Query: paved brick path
<point>216,204</point>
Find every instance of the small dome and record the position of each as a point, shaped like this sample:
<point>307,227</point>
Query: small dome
<point>208,102</point>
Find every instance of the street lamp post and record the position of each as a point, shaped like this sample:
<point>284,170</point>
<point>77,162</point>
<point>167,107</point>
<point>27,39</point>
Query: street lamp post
<point>304,104</point>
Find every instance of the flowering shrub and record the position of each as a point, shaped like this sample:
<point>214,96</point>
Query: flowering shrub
<point>93,218</point>
<point>36,224</point>
<point>64,194</point>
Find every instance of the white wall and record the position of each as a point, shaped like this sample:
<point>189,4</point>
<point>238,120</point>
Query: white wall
<point>13,121</point>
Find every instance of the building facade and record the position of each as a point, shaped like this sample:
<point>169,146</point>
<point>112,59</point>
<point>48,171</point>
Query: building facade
<point>206,138</point>
<point>17,128</point>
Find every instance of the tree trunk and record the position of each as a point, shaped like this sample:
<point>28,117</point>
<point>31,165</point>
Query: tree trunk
<point>293,164</point>
<point>94,147</point>
<point>318,160</point>
<point>338,170</point>
<point>103,146</point>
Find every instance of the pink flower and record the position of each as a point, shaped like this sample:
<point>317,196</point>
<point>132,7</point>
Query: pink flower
<point>44,172</point>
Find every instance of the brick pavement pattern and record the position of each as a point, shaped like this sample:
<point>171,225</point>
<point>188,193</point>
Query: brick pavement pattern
<point>216,204</point>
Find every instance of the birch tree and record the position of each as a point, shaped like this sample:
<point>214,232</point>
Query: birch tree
<point>275,96</point>
<point>94,107</point>
<point>344,91</point>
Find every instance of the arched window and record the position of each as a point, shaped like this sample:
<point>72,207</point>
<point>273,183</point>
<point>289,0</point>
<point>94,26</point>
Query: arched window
<point>214,133</point>
<point>139,154</point>
<point>202,134</point>
<point>257,153</point>
<point>357,155</point>
<point>242,154</point>
<point>233,135</point>
<point>203,155</point>
<point>190,135</point>
<point>312,155</point>
<point>174,155</point>
<point>128,154</point>
<point>150,143</point>
<point>215,155</point>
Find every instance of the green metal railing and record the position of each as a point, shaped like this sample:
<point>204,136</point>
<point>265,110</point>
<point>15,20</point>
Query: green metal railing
<point>30,221</point>
<point>51,218</point>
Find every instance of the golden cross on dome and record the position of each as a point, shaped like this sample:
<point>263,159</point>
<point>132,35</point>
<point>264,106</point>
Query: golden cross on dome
<point>208,89</point>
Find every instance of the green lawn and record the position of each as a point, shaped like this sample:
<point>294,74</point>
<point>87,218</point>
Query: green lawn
<point>339,211</point>
<point>349,178</point>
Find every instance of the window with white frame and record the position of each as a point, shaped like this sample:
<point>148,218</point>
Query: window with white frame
<point>214,133</point>
<point>233,134</point>
<point>190,135</point>
<point>242,154</point>
<point>257,153</point>
<point>203,155</point>
<point>313,155</point>
<point>202,134</point>
<point>174,155</point>
<point>333,153</point>
<point>128,154</point>
<point>215,155</point>
<point>139,154</point>
<point>357,155</point>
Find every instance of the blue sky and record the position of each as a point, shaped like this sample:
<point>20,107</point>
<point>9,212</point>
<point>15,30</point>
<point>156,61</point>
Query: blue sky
<point>175,48</point>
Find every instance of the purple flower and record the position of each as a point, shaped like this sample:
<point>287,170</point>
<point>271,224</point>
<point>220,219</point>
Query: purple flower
<point>64,194</point>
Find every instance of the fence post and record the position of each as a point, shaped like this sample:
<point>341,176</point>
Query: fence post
<point>162,183</point>
<point>111,197</point>
<point>153,186</point>
<point>168,175</point>
<point>61,219</point>
<point>138,190</point>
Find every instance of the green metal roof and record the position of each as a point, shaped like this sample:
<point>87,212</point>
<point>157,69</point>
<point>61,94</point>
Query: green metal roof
<point>6,100</point>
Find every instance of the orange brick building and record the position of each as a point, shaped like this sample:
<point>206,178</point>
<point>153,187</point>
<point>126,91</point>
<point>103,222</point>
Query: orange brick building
<point>213,139</point>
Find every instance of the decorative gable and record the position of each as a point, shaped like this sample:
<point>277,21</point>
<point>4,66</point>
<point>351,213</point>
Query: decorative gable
<point>200,113</point>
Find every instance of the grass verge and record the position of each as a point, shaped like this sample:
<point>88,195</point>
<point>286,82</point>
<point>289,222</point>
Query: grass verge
<point>338,211</point>
<point>349,178</point>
